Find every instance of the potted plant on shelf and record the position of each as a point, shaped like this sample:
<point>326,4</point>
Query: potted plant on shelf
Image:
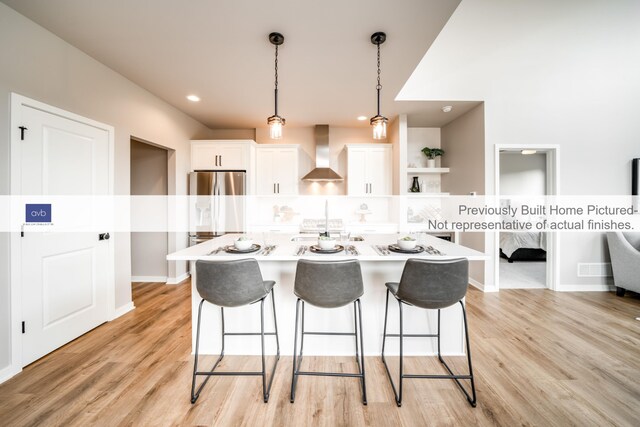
<point>431,154</point>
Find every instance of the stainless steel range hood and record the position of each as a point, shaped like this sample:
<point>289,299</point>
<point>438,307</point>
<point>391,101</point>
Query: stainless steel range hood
<point>322,171</point>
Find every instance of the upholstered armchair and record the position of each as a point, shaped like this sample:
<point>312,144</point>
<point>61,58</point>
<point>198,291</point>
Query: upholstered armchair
<point>624,249</point>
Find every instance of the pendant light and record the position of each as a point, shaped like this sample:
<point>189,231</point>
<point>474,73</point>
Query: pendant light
<point>379,122</point>
<point>276,122</point>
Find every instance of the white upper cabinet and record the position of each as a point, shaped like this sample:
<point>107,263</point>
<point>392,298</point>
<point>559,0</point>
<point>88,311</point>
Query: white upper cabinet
<point>221,155</point>
<point>277,169</point>
<point>369,169</point>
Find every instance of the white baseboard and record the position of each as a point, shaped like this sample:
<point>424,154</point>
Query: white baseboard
<point>177,280</point>
<point>8,372</point>
<point>585,288</point>
<point>161,279</point>
<point>123,310</point>
<point>476,284</point>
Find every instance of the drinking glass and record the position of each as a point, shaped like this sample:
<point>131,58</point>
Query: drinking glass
<point>266,239</point>
<point>344,238</point>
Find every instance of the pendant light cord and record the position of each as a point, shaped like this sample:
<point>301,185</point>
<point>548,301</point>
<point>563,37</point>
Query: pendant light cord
<point>378,86</point>
<point>276,85</point>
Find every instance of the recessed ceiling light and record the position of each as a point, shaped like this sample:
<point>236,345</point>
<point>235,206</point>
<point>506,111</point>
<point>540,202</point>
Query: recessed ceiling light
<point>447,108</point>
<point>193,98</point>
<point>525,152</point>
<point>362,118</point>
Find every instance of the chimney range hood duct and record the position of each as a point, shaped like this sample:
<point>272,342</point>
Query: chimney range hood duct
<point>322,171</point>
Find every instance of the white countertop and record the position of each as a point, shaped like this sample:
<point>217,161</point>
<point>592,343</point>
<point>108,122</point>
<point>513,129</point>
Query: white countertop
<point>286,249</point>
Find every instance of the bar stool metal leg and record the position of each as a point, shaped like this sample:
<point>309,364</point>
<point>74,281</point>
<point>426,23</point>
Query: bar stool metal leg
<point>361,361</point>
<point>456,377</point>
<point>266,388</point>
<point>396,392</point>
<point>355,331</point>
<point>195,394</point>
<point>296,366</point>
<point>275,322</point>
<point>384,331</point>
<point>470,398</point>
<point>297,357</point>
<point>264,372</point>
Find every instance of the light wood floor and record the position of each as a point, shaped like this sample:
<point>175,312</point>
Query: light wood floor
<point>541,358</point>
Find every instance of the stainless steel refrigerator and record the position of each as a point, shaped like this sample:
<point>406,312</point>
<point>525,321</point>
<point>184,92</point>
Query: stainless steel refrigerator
<point>217,205</point>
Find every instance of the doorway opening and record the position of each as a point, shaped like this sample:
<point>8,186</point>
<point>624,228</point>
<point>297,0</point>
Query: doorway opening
<point>149,177</point>
<point>525,260</point>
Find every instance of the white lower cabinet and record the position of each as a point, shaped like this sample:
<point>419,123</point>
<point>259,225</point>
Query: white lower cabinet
<point>277,169</point>
<point>368,169</point>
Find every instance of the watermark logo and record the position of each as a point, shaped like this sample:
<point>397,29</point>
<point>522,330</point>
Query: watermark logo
<point>38,213</point>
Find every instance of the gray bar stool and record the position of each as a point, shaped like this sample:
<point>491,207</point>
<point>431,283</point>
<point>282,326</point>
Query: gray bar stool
<point>432,285</point>
<point>234,284</point>
<point>328,284</point>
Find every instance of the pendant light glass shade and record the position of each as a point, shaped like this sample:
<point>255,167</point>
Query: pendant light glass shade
<point>275,127</point>
<point>276,122</point>
<point>379,122</point>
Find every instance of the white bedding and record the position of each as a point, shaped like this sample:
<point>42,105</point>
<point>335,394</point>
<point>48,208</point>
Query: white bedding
<point>510,242</point>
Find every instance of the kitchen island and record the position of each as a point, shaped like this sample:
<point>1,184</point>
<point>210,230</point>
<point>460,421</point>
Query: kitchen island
<point>378,267</point>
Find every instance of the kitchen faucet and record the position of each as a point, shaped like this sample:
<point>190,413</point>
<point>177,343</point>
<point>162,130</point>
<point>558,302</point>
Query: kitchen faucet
<point>326,219</point>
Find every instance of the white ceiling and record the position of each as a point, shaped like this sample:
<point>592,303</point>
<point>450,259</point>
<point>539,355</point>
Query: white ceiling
<point>219,50</point>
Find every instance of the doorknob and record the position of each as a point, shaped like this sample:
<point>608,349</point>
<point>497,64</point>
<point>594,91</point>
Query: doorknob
<point>104,236</point>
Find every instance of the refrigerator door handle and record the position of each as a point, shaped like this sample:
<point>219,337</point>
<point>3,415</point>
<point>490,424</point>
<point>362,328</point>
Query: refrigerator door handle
<point>215,203</point>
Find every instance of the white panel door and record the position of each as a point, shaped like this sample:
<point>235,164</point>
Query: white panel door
<point>64,274</point>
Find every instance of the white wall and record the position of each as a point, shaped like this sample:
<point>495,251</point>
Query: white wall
<point>417,139</point>
<point>549,72</point>
<point>39,65</point>
<point>232,134</point>
<point>523,175</point>
<point>149,178</point>
<point>463,144</point>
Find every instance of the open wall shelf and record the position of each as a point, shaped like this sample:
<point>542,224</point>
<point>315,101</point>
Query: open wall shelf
<point>427,170</point>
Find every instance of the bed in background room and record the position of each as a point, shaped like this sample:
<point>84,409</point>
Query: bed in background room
<point>523,246</point>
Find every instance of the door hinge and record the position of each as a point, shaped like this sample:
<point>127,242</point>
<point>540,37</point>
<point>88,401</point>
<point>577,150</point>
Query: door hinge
<point>24,327</point>
<point>22,129</point>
